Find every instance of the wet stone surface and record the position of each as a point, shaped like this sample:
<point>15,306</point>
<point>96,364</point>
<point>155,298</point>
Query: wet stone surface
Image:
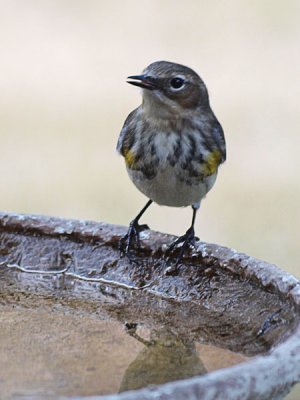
<point>84,336</point>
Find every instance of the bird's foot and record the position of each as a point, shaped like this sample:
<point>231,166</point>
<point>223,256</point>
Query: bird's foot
<point>132,238</point>
<point>188,240</point>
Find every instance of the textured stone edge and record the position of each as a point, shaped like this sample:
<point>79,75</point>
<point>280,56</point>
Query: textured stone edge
<point>268,275</point>
<point>262,377</point>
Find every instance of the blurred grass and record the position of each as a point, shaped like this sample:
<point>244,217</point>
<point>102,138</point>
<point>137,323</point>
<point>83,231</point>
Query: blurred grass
<point>63,100</point>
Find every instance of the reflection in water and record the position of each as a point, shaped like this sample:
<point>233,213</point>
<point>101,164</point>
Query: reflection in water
<point>68,352</point>
<point>166,357</point>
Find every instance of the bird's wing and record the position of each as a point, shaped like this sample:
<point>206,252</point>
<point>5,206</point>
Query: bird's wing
<point>126,137</point>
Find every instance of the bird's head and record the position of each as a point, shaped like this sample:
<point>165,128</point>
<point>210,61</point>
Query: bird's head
<point>171,87</point>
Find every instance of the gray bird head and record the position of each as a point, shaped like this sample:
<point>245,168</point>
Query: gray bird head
<point>172,86</point>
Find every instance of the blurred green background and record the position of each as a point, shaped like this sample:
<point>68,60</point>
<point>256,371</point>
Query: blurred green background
<point>63,100</point>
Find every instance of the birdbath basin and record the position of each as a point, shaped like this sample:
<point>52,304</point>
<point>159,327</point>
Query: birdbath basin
<point>79,321</point>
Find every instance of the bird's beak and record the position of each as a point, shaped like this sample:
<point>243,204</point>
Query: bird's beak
<point>143,81</point>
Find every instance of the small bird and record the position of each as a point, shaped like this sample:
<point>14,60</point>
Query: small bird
<point>172,144</point>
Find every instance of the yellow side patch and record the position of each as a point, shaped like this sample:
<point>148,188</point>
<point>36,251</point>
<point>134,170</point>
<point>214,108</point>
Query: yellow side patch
<point>212,162</point>
<point>129,158</point>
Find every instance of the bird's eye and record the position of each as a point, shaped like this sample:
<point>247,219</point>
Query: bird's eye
<point>177,83</point>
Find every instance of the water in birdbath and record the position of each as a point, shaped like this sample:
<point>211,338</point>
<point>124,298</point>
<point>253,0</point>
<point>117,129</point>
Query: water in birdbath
<point>52,351</point>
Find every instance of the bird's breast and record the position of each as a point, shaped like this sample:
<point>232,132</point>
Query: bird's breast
<point>165,146</point>
<point>186,153</point>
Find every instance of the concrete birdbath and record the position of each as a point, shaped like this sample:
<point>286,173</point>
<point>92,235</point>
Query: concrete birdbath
<point>78,320</point>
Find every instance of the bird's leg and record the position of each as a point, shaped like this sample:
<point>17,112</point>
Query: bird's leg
<point>188,239</point>
<point>132,236</point>
<point>131,330</point>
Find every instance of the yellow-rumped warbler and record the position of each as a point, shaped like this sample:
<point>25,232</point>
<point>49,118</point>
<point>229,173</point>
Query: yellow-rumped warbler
<point>172,144</point>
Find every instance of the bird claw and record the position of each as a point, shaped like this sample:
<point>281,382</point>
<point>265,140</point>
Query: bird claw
<point>188,240</point>
<point>132,237</point>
